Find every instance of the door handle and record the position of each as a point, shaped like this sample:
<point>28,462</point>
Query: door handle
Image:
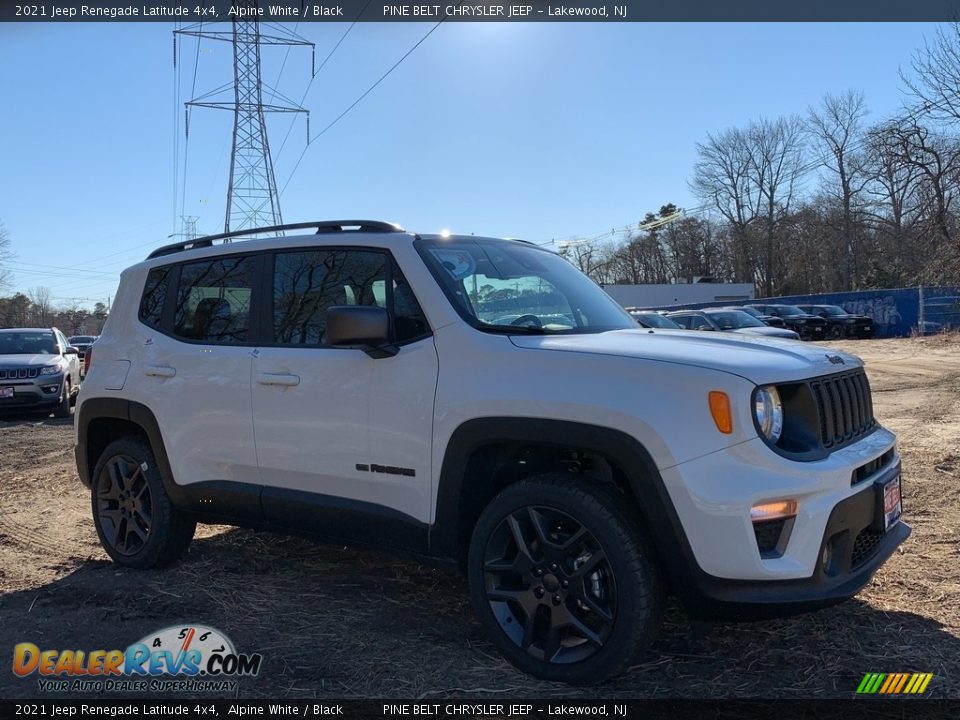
<point>278,379</point>
<point>164,371</point>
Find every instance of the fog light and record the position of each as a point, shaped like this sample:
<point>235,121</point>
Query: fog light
<point>773,510</point>
<point>50,389</point>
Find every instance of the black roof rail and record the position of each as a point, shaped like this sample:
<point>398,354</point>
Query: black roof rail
<point>322,226</point>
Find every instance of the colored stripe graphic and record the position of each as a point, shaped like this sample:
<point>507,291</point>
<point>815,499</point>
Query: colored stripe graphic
<point>894,683</point>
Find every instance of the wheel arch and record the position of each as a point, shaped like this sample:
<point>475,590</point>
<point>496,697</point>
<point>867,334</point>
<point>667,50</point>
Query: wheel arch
<point>469,477</point>
<point>100,421</point>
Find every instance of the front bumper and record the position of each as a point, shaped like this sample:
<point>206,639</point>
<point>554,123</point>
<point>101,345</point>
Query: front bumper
<point>35,394</point>
<point>729,576</point>
<point>854,562</point>
<point>811,331</point>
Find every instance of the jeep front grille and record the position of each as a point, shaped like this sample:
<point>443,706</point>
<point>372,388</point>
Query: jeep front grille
<point>845,407</point>
<point>19,373</point>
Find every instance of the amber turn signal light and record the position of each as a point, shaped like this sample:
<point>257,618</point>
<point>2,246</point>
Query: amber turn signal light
<point>773,510</point>
<point>720,409</point>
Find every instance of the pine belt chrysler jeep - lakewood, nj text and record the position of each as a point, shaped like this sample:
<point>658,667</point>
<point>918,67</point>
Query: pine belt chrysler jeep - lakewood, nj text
<point>481,403</point>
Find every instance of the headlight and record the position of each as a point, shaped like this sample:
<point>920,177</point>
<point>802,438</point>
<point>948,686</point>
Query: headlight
<point>50,370</point>
<point>768,411</point>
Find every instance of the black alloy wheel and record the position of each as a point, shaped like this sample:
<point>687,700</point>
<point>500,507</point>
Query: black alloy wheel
<point>124,504</point>
<point>137,524</point>
<point>563,579</point>
<point>550,585</point>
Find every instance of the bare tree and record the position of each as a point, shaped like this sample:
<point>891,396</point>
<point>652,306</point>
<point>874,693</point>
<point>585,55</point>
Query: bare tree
<point>936,81</point>
<point>722,177</point>
<point>42,305</point>
<point>937,161</point>
<point>5,256</point>
<point>775,149</point>
<point>892,195</point>
<point>837,127</point>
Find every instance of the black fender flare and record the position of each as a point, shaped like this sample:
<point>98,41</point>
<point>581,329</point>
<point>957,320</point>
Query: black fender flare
<point>662,524</point>
<point>133,412</point>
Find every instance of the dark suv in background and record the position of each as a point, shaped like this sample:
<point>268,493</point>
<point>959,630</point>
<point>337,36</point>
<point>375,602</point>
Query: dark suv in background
<point>809,327</point>
<point>840,323</point>
<point>771,320</point>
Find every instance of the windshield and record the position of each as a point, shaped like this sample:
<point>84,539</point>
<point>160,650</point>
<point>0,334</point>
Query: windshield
<point>833,310</point>
<point>507,286</point>
<point>752,311</point>
<point>733,320</point>
<point>789,310</point>
<point>656,320</point>
<point>82,339</point>
<point>27,343</point>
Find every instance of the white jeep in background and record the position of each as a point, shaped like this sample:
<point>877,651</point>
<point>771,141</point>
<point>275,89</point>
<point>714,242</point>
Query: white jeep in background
<point>482,404</point>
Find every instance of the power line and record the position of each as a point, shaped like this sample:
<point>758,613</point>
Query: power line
<point>186,120</point>
<point>314,76</point>
<point>357,102</point>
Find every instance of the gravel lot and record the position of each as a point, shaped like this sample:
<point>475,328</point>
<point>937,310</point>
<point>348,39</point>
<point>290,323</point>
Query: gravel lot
<point>338,622</point>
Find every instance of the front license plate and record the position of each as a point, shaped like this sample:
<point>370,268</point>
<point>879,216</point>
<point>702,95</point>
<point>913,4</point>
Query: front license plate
<point>6,392</point>
<point>892,505</point>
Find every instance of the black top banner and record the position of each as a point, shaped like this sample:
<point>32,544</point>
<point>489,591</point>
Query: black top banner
<point>210,11</point>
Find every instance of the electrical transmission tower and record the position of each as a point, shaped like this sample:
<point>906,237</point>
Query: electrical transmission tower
<point>252,199</point>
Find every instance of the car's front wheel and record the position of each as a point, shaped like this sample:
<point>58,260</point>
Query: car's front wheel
<point>562,581</point>
<point>63,407</point>
<point>137,524</point>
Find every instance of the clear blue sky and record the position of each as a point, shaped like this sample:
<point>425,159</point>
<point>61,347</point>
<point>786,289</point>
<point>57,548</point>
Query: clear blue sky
<point>527,130</point>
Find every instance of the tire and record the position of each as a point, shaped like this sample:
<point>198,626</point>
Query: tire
<point>63,409</point>
<point>135,520</point>
<point>562,581</point>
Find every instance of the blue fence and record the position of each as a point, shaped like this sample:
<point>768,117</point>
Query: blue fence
<point>895,312</point>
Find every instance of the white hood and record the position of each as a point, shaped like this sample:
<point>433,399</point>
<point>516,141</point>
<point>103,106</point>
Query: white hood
<point>759,359</point>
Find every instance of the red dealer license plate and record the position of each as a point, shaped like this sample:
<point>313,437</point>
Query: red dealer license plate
<point>892,505</point>
<point>6,392</point>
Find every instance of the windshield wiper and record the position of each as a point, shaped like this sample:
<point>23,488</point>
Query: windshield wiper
<point>516,329</point>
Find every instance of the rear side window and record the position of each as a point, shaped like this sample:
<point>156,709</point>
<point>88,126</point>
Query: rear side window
<point>154,297</point>
<point>307,283</point>
<point>213,300</point>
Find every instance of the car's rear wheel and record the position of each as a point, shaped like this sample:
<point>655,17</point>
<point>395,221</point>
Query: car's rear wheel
<point>137,524</point>
<point>562,580</point>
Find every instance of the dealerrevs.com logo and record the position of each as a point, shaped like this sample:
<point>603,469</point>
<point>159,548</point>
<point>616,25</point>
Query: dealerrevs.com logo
<point>191,658</point>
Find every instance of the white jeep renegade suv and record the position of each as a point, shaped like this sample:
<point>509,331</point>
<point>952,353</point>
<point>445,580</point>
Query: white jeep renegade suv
<point>481,403</point>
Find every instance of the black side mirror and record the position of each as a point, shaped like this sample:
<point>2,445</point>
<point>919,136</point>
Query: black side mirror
<point>362,326</point>
<point>71,351</point>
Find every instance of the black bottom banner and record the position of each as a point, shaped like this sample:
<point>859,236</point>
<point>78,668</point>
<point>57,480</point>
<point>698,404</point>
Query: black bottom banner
<point>520,709</point>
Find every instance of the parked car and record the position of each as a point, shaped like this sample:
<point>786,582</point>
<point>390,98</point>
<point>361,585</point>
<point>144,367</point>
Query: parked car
<point>39,370</point>
<point>82,342</point>
<point>840,323</point>
<point>347,383</point>
<point>809,327</point>
<point>653,319</point>
<point>728,321</point>
<point>771,320</point>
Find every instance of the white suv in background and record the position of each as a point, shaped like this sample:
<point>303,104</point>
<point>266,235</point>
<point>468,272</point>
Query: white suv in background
<point>39,371</point>
<point>482,404</point>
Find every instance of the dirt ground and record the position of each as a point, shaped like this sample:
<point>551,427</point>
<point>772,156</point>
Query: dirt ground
<point>338,622</point>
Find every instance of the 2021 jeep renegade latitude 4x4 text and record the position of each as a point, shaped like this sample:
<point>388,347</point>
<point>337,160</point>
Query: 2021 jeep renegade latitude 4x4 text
<point>481,403</point>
